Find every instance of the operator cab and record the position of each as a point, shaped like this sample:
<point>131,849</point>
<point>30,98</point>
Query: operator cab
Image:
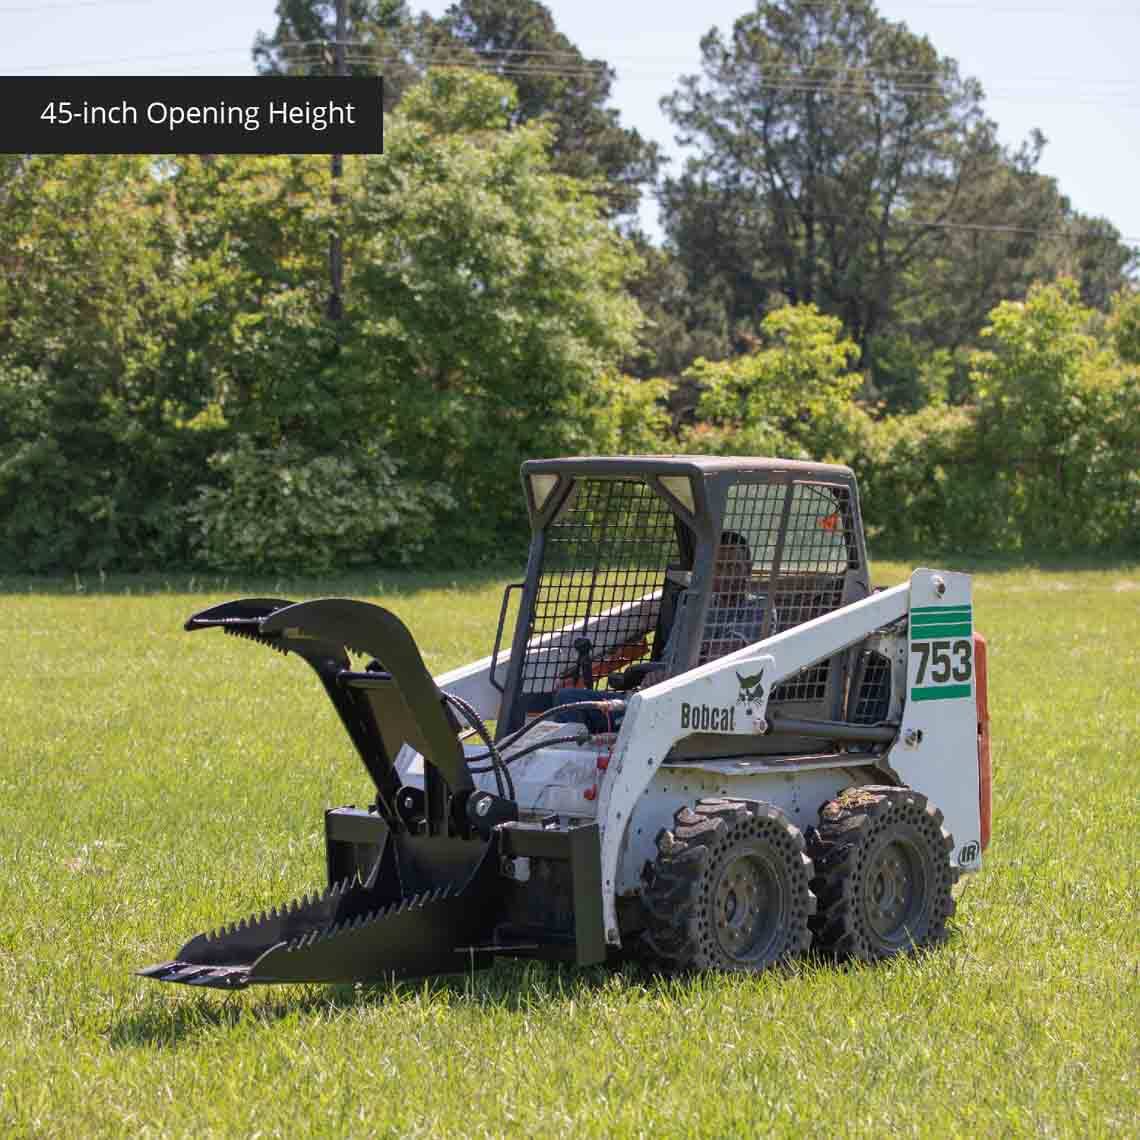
<point>642,567</point>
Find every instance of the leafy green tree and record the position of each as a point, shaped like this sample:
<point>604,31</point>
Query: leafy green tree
<point>921,487</point>
<point>519,40</point>
<point>192,339</point>
<point>1026,231</point>
<point>680,323</point>
<point>791,396</point>
<point>261,356</point>
<point>515,39</point>
<point>816,123</point>
<point>841,160</point>
<point>487,298</point>
<point>183,397</point>
<point>92,465</point>
<point>1058,422</point>
<point>907,374</point>
<point>1124,325</point>
<point>272,506</point>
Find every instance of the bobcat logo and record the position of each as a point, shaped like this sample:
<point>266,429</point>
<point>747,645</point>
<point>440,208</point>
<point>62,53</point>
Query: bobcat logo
<point>751,689</point>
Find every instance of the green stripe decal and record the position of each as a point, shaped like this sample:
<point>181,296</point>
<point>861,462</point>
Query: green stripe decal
<point>941,609</point>
<point>940,693</point>
<point>925,633</point>
<point>935,619</point>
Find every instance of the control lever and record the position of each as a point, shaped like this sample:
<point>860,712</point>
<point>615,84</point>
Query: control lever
<point>583,671</point>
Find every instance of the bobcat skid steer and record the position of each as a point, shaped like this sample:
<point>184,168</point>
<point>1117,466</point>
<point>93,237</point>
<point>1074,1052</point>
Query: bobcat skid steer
<point>714,744</point>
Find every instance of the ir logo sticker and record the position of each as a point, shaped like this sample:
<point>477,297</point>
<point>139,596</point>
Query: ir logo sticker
<point>968,853</point>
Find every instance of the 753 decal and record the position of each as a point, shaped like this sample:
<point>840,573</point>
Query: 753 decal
<point>942,661</point>
<point>942,638</point>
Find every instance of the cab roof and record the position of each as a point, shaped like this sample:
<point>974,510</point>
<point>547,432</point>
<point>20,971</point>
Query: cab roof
<point>701,465</point>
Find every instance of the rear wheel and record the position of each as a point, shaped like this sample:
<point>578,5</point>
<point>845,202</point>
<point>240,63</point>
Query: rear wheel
<point>730,888</point>
<point>882,873</point>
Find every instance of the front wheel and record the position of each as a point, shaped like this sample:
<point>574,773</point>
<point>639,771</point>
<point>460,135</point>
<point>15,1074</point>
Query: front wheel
<point>882,873</point>
<point>730,888</point>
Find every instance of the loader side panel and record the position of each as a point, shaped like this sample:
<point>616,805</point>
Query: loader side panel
<point>937,748</point>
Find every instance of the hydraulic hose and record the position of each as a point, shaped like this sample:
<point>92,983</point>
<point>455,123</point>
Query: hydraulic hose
<point>606,706</point>
<point>503,780</point>
<point>525,751</point>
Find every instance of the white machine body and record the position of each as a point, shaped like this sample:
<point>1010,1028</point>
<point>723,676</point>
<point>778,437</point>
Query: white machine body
<point>632,783</point>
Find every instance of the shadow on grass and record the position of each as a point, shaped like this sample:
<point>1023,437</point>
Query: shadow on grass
<point>166,1023</point>
<point>511,987</point>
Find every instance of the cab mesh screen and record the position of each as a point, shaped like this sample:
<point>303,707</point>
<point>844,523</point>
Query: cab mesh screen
<point>802,577</point>
<point>603,570</point>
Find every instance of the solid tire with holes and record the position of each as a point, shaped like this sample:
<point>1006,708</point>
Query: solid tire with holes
<point>883,875</point>
<point>730,888</point>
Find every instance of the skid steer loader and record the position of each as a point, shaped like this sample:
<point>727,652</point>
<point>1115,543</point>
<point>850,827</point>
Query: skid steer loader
<point>714,744</point>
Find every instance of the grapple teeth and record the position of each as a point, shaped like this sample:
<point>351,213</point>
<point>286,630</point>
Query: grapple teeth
<point>250,633</point>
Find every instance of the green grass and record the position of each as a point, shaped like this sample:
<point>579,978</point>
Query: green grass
<point>155,783</point>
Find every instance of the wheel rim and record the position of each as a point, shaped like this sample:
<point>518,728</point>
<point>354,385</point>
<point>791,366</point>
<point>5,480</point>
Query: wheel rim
<point>747,904</point>
<point>895,892</point>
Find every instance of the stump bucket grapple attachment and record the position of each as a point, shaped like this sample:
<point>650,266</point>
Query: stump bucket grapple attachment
<point>415,887</point>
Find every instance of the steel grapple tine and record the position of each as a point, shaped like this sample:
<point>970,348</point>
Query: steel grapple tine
<point>371,630</point>
<point>235,613</point>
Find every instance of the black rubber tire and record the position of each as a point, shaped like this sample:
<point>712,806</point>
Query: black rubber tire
<point>882,874</point>
<point>730,889</point>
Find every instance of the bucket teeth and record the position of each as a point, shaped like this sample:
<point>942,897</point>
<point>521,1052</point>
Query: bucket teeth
<point>356,922</point>
<point>293,907</point>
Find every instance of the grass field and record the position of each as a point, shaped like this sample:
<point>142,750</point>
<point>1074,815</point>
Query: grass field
<point>155,783</point>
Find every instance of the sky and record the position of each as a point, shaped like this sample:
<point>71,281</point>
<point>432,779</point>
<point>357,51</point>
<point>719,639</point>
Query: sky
<point>1059,65</point>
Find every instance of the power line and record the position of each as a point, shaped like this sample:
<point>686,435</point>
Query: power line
<point>62,7</point>
<point>575,61</point>
<point>544,62</point>
<point>127,59</point>
<point>969,227</point>
<point>980,5</point>
<point>790,77</point>
<point>459,58</point>
<point>949,5</point>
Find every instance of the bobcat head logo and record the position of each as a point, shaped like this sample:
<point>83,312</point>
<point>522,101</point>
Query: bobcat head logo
<point>750,687</point>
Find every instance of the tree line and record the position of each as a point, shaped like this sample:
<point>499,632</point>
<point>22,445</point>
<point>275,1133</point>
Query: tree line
<point>854,269</point>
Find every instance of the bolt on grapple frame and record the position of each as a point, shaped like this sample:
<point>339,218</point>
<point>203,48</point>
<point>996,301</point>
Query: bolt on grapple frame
<point>715,744</point>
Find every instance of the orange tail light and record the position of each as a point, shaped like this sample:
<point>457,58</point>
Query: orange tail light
<point>985,771</point>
